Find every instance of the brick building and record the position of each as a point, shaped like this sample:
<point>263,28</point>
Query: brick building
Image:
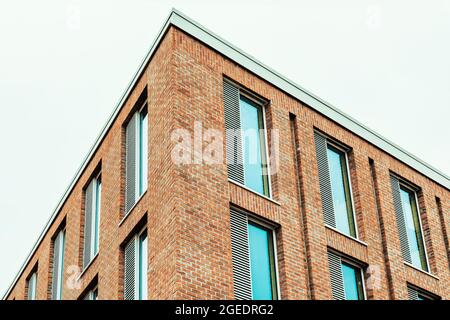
<point>320,208</point>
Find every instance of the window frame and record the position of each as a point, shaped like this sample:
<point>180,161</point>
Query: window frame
<point>272,230</point>
<point>411,189</point>
<point>264,144</point>
<point>263,104</point>
<point>61,256</point>
<point>95,218</point>
<point>344,150</point>
<point>34,273</point>
<point>140,146</point>
<point>90,294</point>
<point>421,293</point>
<point>137,117</point>
<point>140,290</point>
<point>136,237</point>
<point>357,266</point>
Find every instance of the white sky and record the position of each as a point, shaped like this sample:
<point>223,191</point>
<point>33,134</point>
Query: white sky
<point>64,65</point>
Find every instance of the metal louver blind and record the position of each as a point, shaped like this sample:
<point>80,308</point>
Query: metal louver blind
<point>130,164</point>
<point>412,294</point>
<point>130,270</point>
<point>233,133</point>
<point>88,224</point>
<point>324,180</point>
<point>400,219</point>
<point>240,255</point>
<point>337,281</point>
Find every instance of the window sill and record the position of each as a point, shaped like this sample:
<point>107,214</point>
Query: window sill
<point>420,270</point>
<point>132,208</point>
<point>87,267</point>
<point>346,235</point>
<point>254,192</point>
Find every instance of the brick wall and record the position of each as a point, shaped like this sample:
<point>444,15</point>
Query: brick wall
<point>186,207</point>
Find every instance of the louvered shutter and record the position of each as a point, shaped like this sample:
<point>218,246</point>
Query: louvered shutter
<point>401,225</point>
<point>130,163</point>
<point>324,180</point>
<point>337,280</point>
<point>413,294</point>
<point>130,270</point>
<point>233,133</point>
<point>88,208</point>
<point>240,255</point>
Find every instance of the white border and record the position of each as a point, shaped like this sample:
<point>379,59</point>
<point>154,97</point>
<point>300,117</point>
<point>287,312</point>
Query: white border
<point>191,27</point>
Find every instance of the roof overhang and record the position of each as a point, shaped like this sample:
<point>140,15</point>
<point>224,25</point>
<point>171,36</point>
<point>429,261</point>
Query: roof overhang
<point>179,20</point>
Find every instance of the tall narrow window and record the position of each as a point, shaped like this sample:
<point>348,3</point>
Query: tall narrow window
<point>246,140</point>
<point>31,286</point>
<point>58,265</point>
<point>136,157</point>
<point>135,277</point>
<point>254,263</point>
<point>92,219</point>
<point>346,279</point>
<point>335,187</point>
<point>409,224</point>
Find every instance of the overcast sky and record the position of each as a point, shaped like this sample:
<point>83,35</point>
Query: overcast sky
<point>65,64</point>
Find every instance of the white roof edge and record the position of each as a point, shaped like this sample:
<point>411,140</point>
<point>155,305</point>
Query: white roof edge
<point>196,30</point>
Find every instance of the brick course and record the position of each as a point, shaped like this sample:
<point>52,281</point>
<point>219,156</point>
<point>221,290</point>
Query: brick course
<point>186,207</point>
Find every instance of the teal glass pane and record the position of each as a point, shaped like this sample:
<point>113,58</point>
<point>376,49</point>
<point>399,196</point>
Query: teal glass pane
<point>98,193</point>
<point>143,154</point>
<point>336,163</point>
<point>351,284</point>
<point>251,123</point>
<point>143,151</point>
<point>143,266</point>
<point>95,294</point>
<point>413,231</point>
<point>260,264</point>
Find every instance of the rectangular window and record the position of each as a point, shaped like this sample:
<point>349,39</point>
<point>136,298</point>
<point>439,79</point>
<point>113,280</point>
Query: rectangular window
<point>91,294</point>
<point>92,219</point>
<point>416,294</point>
<point>246,140</point>
<point>413,228</point>
<point>136,262</point>
<point>335,187</point>
<point>409,224</point>
<point>254,258</point>
<point>31,286</point>
<point>58,265</point>
<point>346,279</point>
<point>136,157</point>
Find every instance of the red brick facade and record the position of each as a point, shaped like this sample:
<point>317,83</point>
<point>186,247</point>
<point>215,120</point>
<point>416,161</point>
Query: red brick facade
<point>186,207</point>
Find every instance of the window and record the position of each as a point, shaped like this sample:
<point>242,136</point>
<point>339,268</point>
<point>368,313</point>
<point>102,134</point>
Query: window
<point>136,155</point>
<point>58,265</point>
<point>92,219</point>
<point>409,224</point>
<point>417,294</point>
<point>346,279</point>
<point>335,187</point>
<point>91,294</point>
<point>31,286</point>
<point>135,278</point>
<point>254,258</point>
<point>246,140</point>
